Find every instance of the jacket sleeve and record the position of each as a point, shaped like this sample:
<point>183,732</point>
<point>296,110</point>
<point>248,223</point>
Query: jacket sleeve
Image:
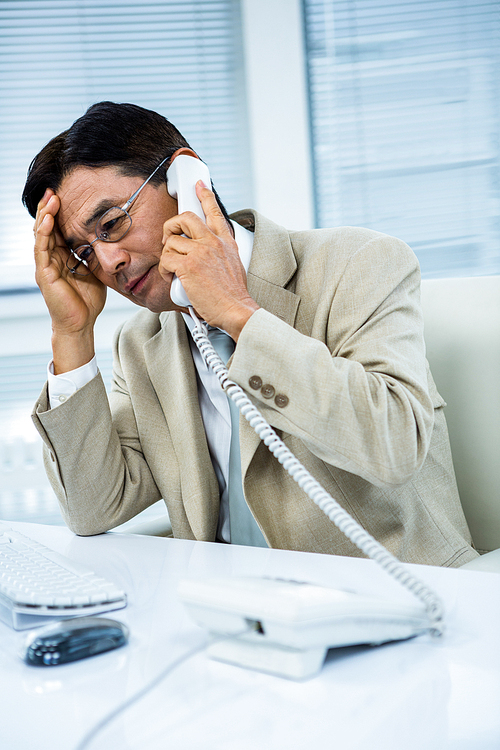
<point>352,370</point>
<point>96,466</point>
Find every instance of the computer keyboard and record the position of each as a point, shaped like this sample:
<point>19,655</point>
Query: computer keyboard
<point>38,584</point>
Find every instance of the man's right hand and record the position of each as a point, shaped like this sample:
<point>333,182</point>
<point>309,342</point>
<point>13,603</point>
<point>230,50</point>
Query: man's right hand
<point>74,302</point>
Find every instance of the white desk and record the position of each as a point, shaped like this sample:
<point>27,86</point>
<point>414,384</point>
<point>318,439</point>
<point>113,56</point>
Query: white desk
<point>419,694</point>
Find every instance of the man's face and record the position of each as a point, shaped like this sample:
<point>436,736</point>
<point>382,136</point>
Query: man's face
<point>130,266</point>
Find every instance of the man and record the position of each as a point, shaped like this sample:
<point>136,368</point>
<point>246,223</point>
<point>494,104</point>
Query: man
<point>328,342</point>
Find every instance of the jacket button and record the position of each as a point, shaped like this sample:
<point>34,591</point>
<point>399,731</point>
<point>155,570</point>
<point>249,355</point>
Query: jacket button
<point>281,400</point>
<point>255,382</point>
<point>267,391</point>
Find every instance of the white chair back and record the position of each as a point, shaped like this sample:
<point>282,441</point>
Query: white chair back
<point>462,333</point>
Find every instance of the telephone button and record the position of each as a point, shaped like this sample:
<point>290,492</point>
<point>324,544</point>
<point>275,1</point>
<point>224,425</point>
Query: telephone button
<point>255,382</point>
<point>267,391</point>
<point>281,400</point>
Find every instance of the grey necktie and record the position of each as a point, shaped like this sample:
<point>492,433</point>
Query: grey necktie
<point>244,528</point>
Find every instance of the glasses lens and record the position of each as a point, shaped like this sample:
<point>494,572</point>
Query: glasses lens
<point>82,261</point>
<point>113,225</point>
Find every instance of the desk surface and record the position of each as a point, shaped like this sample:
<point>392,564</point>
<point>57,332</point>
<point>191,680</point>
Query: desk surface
<point>424,693</point>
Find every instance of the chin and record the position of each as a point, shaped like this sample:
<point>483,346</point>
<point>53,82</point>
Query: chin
<point>157,300</point>
<point>159,305</point>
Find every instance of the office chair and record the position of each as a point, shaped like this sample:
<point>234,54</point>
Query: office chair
<point>462,334</point>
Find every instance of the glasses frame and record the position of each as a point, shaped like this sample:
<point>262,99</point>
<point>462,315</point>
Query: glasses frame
<point>74,253</point>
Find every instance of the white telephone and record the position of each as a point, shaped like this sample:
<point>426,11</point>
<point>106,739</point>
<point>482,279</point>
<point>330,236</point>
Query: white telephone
<point>285,627</point>
<point>182,176</point>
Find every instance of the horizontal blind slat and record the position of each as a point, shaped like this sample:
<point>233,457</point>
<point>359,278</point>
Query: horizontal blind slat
<point>404,118</point>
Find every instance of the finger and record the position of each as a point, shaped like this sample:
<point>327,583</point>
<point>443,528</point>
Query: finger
<point>214,216</point>
<point>60,241</point>
<point>178,244</point>
<point>50,205</point>
<point>175,256</point>
<point>45,198</point>
<point>42,204</point>
<point>47,235</point>
<point>186,223</point>
<point>44,241</point>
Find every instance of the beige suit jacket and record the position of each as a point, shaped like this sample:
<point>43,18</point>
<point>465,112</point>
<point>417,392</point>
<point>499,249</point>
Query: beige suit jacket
<point>334,360</point>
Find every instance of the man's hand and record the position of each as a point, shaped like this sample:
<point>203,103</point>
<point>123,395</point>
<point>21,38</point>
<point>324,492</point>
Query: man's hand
<point>73,302</point>
<point>208,265</point>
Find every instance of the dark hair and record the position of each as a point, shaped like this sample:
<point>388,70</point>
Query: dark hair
<point>126,136</point>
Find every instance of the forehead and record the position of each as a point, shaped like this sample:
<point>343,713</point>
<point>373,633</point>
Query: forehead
<point>85,193</point>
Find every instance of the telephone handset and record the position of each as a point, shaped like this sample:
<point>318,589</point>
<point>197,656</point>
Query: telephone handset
<point>182,176</point>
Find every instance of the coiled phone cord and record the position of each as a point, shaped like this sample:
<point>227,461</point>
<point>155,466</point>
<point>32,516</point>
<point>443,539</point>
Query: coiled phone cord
<point>351,528</point>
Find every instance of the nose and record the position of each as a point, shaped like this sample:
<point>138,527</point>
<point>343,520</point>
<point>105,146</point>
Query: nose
<point>112,256</point>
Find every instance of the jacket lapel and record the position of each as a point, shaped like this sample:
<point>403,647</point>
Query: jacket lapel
<point>172,373</point>
<point>271,270</point>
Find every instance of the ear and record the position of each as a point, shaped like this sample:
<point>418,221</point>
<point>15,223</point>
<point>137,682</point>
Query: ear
<point>185,151</point>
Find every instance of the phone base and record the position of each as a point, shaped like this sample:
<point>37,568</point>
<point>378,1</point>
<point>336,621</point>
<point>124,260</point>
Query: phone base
<point>293,663</point>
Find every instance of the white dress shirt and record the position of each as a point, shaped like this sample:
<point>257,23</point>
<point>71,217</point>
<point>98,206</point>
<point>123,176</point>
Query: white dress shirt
<point>213,402</point>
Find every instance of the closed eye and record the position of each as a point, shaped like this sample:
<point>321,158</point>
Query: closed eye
<point>85,252</point>
<point>107,228</point>
<point>113,225</point>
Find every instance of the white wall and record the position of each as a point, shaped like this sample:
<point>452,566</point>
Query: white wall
<point>278,111</point>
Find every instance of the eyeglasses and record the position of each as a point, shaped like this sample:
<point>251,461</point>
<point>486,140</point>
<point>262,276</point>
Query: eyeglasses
<point>112,226</point>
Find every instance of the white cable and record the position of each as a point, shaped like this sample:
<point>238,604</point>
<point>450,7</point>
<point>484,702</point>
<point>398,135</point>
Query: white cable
<point>351,528</point>
<point>101,725</point>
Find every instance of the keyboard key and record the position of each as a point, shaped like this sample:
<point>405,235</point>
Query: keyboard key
<point>37,581</point>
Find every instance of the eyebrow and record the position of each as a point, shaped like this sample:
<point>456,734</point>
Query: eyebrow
<point>91,221</point>
<point>101,207</point>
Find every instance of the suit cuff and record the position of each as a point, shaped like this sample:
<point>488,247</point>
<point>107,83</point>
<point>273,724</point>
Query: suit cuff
<point>61,387</point>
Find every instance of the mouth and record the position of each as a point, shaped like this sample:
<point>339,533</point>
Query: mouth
<point>135,286</point>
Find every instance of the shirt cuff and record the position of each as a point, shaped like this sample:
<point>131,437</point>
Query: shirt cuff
<point>61,387</point>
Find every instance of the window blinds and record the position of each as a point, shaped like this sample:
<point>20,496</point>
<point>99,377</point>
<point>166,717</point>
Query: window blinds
<point>57,57</point>
<point>405,119</point>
